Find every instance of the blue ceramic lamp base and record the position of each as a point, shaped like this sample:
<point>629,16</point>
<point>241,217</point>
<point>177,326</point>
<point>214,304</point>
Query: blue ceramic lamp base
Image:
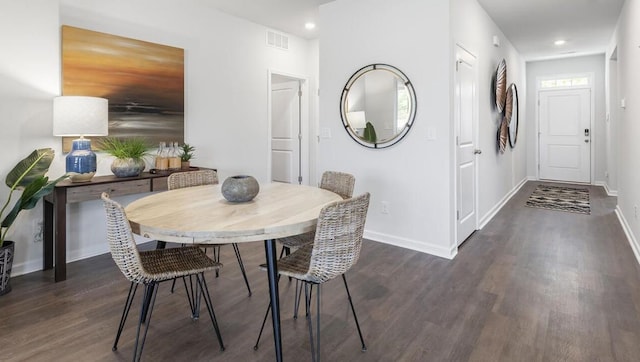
<point>81,161</point>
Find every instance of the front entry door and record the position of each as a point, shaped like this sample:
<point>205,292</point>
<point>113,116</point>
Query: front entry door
<point>565,135</point>
<point>285,132</point>
<point>466,151</point>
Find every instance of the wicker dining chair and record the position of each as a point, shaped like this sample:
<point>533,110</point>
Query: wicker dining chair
<point>180,180</point>
<point>342,184</point>
<point>150,268</point>
<point>335,249</point>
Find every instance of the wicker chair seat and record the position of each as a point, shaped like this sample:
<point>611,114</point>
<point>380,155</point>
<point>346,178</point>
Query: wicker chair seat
<point>164,264</point>
<point>297,241</point>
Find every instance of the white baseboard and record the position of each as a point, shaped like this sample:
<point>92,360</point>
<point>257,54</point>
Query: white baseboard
<point>606,188</point>
<point>489,215</point>
<point>627,230</point>
<point>416,245</point>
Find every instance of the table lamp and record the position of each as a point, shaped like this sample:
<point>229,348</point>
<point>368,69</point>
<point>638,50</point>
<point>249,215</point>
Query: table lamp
<point>80,116</point>
<point>357,121</point>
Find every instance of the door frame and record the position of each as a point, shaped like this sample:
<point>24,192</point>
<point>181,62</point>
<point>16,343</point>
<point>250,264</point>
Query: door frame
<point>594,135</point>
<point>304,123</point>
<point>456,133</point>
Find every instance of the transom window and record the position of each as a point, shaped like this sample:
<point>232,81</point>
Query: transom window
<point>565,82</point>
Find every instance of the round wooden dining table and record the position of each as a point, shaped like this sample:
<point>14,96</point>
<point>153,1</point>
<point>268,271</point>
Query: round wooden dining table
<point>201,214</point>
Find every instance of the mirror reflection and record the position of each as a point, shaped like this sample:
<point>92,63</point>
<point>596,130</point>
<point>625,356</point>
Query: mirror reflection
<point>378,105</point>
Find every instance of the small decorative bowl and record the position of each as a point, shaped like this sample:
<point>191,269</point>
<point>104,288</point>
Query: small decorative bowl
<point>241,188</point>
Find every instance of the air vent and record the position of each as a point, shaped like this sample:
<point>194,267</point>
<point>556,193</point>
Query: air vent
<point>277,40</point>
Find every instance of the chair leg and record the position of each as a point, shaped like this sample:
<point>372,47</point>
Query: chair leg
<point>145,317</point>
<point>308,288</point>
<point>207,299</point>
<point>125,313</point>
<point>355,317</point>
<point>193,296</point>
<point>244,274</point>
<point>216,257</point>
<point>264,321</point>
<point>296,304</point>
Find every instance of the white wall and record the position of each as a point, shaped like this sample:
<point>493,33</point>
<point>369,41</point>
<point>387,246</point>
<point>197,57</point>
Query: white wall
<point>413,176</point>
<point>416,176</point>
<point>29,79</point>
<point>627,40</point>
<point>575,65</point>
<point>499,175</point>
<point>226,92</point>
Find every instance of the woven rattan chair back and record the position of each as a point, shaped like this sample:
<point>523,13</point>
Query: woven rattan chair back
<point>338,240</point>
<point>121,242</point>
<point>178,180</point>
<point>339,182</point>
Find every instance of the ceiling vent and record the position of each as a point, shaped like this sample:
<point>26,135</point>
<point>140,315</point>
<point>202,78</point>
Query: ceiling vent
<point>277,40</point>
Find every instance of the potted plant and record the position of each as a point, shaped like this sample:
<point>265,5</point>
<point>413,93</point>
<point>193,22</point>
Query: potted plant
<point>129,153</point>
<point>186,154</point>
<point>29,176</point>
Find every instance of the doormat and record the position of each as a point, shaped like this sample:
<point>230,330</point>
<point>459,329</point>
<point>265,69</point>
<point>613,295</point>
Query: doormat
<point>560,198</point>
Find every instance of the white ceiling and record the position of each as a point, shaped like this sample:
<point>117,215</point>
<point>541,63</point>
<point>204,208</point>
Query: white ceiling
<point>531,25</point>
<point>288,16</point>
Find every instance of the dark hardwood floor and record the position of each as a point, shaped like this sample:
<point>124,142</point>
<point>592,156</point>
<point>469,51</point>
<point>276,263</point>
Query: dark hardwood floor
<point>533,285</point>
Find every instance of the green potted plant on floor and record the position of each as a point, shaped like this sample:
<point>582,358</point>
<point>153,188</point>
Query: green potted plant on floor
<point>130,154</point>
<point>29,176</point>
<point>186,154</point>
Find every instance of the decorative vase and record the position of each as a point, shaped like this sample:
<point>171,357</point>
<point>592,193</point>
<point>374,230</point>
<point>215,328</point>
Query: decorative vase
<point>127,167</point>
<point>6,262</point>
<point>241,188</point>
<point>185,165</point>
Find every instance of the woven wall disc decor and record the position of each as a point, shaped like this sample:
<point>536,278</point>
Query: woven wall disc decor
<point>503,134</point>
<point>501,85</point>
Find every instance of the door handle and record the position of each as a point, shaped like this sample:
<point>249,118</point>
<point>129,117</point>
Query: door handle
<point>477,152</point>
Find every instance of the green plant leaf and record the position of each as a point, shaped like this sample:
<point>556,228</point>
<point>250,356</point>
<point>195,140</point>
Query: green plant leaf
<point>35,165</point>
<point>370,133</point>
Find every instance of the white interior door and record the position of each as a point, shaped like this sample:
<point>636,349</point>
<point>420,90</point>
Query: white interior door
<point>565,135</point>
<point>466,151</point>
<point>285,132</point>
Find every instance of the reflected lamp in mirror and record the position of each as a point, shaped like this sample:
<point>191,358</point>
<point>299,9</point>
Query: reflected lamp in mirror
<point>357,121</point>
<point>388,99</point>
<point>80,116</point>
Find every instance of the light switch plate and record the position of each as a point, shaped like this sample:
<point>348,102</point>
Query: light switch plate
<point>325,132</point>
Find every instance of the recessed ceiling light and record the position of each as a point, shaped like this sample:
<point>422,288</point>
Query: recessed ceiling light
<point>559,42</point>
<point>309,26</point>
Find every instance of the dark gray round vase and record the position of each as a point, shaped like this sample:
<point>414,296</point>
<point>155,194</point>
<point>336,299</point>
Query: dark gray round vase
<point>240,188</point>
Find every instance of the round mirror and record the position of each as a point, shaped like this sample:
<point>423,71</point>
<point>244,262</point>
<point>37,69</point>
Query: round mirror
<point>378,105</point>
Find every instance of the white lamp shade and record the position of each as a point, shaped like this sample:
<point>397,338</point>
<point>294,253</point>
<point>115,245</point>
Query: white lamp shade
<point>80,116</point>
<point>357,119</point>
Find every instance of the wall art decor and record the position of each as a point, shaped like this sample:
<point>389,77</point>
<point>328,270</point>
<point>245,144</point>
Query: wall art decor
<point>143,81</point>
<point>501,85</point>
<point>503,132</point>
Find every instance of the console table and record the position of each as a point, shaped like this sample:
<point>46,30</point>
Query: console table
<point>67,192</point>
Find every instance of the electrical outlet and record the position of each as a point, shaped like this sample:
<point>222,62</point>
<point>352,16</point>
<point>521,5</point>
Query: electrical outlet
<point>384,207</point>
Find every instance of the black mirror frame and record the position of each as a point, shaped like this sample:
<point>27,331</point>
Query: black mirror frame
<point>514,116</point>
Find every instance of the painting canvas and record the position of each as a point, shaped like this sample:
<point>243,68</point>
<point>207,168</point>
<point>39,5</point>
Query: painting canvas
<point>144,83</point>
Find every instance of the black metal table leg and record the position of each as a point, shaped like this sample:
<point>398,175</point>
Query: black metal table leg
<point>272,274</point>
